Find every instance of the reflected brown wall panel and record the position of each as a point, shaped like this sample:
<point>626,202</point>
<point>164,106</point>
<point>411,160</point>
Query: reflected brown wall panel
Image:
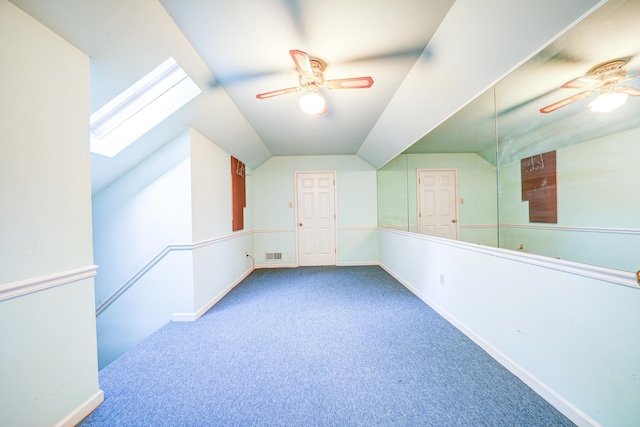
<point>539,186</point>
<point>238,194</point>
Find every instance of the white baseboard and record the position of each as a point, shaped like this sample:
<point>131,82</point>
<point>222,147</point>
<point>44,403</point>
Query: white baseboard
<point>339,264</point>
<point>81,411</point>
<point>567,408</point>
<point>356,263</point>
<point>276,266</point>
<point>192,317</point>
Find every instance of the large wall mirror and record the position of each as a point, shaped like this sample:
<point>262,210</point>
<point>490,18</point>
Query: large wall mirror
<point>561,182</point>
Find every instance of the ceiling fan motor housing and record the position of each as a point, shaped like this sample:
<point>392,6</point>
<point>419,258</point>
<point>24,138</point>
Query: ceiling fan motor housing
<point>317,67</point>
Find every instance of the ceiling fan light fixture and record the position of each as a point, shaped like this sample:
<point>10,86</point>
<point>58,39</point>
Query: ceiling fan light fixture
<point>608,102</point>
<point>311,79</point>
<point>312,103</point>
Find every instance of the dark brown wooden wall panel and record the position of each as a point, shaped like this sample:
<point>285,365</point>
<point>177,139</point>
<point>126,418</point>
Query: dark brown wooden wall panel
<point>238,194</point>
<point>540,187</point>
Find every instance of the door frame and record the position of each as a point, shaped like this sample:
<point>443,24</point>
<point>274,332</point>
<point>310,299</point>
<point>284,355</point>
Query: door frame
<point>335,210</point>
<point>457,211</point>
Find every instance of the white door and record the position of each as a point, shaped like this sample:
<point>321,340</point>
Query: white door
<point>437,202</point>
<point>316,218</point>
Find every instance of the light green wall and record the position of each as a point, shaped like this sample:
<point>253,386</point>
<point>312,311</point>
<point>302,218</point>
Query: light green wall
<point>477,216</point>
<point>179,196</point>
<point>597,211</point>
<point>274,219</point>
<point>393,203</point>
<point>476,185</point>
<point>218,265</point>
<point>44,153</point>
<point>141,212</point>
<point>48,360</point>
<point>135,218</point>
<point>598,181</point>
<point>210,188</point>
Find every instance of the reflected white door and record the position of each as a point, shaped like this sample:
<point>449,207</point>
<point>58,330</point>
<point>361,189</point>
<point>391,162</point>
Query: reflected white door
<point>316,218</point>
<point>437,202</point>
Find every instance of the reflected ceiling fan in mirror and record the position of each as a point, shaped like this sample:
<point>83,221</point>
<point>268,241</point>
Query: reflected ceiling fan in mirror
<point>311,80</point>
<point>603,80</point>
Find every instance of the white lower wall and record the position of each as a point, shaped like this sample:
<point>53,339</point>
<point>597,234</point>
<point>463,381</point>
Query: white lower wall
<point>140,213</point>
<point>148,305</point>
<point>163,232</point>
<point>134,219</point>
<point>219,258</point>
<point>218,266</point>
<point>571,337</point>
<point>357,246</point>
<point>48,362</point>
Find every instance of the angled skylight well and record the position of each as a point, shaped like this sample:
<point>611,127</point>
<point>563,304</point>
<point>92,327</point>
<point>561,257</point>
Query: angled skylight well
<point>141,107</point>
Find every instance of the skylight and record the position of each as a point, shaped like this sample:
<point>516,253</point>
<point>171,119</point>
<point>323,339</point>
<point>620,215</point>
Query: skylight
<point>141,107</point>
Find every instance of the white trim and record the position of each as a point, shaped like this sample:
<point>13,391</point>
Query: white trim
<point>357,228</point>
<point>401,227</point>
<point>81,411</point>
<point>604,274</point>
<point>276,266</point>
<point>141,272</point>
<point>633,231</point>
<point>191,317</point>
<point>203,243</point>
<point>275,230</point>
<point>156,259</point>
<point>340,228</point>
<point>40,283</point>
<point>356,263</point>
<point>567,408</point>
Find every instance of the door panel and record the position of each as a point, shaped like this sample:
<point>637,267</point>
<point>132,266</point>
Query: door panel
<point>315,200</point>
<point>437,202</point>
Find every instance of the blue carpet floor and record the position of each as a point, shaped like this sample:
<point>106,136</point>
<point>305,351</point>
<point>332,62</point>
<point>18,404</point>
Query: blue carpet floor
<point>317,346</point>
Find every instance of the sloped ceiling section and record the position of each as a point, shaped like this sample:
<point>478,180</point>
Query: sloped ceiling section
<point>477,45</point>
<point>246,44</point>
<point>427,59</point>
<point>125,40</point>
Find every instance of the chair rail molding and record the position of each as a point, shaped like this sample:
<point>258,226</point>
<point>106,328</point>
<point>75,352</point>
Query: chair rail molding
<point>156,259</point>
<point>618,277</point>
<point>40,283</point>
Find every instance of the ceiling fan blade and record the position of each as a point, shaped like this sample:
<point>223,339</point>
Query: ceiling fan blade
<point>350,83</point>
<point>277,92</point>
<point>581,83</point>
<point>564,102</point>
<point>632,91</point>
<point>630,78</point>
<point>303,64</point>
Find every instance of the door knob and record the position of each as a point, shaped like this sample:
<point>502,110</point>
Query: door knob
<point>300,224</point>
<point>454,220</point>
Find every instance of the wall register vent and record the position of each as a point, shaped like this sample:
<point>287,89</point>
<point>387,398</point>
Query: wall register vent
<point>273,255</point>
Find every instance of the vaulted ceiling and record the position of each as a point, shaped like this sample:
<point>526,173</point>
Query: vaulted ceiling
<point>427,59</point>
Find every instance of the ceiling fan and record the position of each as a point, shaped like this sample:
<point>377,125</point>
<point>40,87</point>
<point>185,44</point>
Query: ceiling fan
<point>602,79</point>
<point>311,71</point>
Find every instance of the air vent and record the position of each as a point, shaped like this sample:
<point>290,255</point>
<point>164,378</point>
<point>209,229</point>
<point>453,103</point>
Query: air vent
<point>273,255</point>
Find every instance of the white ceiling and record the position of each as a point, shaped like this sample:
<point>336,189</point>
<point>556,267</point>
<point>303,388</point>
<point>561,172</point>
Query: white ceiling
<point>608,34</point>
<point>246,44</point>
<point>417,52</point>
